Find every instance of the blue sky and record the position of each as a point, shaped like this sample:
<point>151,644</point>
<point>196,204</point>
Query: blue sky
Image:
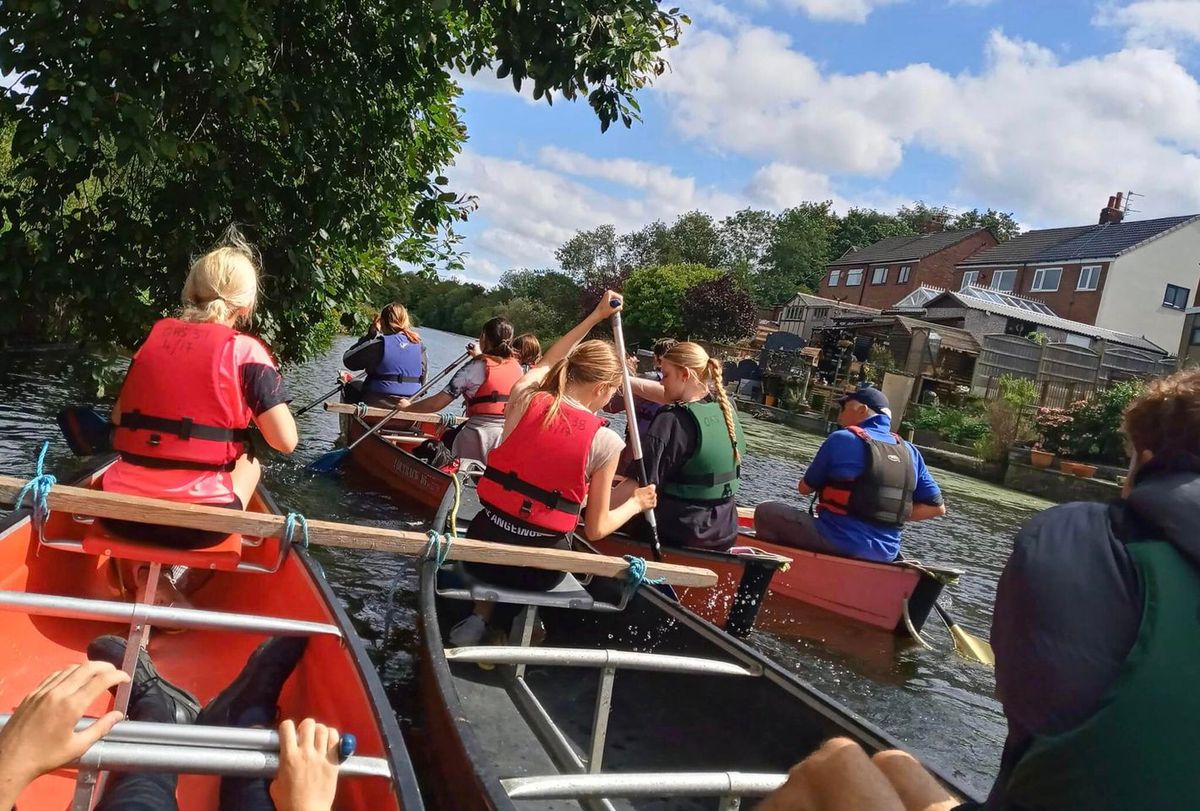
<point>1042,108</point>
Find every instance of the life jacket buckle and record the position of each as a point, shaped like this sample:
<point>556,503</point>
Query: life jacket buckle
<point>185,428</point>
<point>527,507</point>
<point>154,440</point>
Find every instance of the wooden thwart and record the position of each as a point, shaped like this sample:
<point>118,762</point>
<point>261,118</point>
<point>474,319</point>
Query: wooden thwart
<point>407,416</point>
<point>82,501</point>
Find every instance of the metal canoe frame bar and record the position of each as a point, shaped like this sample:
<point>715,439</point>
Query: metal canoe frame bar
<point>584,781</point>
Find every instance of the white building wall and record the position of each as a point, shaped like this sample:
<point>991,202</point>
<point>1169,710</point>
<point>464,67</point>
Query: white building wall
<point>1133,293</point>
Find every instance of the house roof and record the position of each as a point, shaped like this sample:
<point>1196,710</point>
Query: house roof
<point>809,300</point>
<point>904,248</point>
<point>1114,239</point>
<point>1024,248</point>
<point>960,340</point>
<point>956,298</point>
<point>1082,242</point>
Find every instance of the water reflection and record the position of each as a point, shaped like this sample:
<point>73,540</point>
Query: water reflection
<point>934,701</point>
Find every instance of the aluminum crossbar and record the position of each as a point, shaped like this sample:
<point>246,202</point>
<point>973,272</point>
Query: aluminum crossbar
<point>263,740</point>
<point>652,784</point>
<point>53,605</point>
<point>146,757</point>
<point>586,657</point>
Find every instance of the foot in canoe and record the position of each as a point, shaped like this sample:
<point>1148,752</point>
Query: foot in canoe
<point>251,698</point>
<point>152,697</point>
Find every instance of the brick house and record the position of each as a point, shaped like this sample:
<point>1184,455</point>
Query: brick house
<point>881,274</point>
<point>1134,277</point>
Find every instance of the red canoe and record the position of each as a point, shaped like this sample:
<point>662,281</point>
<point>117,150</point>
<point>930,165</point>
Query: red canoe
<point>385,456</point>
<point>57,594</point>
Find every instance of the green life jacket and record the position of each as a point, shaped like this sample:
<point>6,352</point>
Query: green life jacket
<point>711,474</point>
<point>1139,749</point>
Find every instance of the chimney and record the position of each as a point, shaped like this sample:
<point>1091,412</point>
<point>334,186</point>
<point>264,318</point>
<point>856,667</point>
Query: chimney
<point>934,225</point>
<point>1113,213</point>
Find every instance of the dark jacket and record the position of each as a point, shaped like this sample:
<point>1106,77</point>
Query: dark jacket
<point>1069,605</point>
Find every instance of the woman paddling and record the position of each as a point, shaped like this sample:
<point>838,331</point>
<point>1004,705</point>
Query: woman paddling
<point>555,454</point>
<point>528,349</point>
<point>189,396</point>
<point>692,450</point>
<point>393,356</point>
<point>484,384</point>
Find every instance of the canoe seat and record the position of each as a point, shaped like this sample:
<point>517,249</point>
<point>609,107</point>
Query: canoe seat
<point>223,556</point>
<point>455,583</point>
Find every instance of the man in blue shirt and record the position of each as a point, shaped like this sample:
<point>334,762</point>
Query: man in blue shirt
<point>856,524</point>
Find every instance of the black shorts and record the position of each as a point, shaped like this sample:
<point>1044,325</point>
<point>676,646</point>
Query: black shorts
<point>484,528</point>
<point>175,537</point>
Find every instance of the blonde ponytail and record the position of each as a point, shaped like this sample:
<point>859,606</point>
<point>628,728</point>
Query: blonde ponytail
<point>691,356</point>
<point>589,363</point>
<point>223,283</point>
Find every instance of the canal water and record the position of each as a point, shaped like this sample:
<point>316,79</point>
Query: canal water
<point>938,704</point>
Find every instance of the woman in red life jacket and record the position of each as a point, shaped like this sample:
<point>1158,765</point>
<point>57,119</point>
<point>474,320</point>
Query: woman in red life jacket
<point>485,385</point>
<point>192,390</point>
<point>393,356</point>
<point>555,454</point>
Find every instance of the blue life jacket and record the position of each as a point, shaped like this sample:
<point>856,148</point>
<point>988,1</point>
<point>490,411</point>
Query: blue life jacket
<point>398,373</point>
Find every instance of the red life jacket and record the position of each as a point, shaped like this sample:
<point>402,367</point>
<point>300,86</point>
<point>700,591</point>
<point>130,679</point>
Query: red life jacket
<point>175,410</point>
<point>492,395</point>
<point>538,475</point>
<point>883,493</point>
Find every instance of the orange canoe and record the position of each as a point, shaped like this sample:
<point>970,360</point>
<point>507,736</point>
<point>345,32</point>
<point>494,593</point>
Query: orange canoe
<point>57,594</point>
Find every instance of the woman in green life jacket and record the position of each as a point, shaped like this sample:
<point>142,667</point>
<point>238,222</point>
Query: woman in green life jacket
<point>692,450</point>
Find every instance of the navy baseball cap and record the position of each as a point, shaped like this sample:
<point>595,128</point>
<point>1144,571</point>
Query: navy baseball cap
<point>872,398</point>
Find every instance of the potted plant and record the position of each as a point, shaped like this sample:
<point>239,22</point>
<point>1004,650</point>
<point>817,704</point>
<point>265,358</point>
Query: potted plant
<point>1053,426</point>
<point>1040,458</point>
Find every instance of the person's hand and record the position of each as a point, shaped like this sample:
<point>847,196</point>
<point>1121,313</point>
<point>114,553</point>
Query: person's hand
<point>404,402</point>
<point>473,350</point>
<point>604,308</point>
<point>41,736</point>
<point>840,777</point>
<point>308,767</point>
<point>631,363</point>
<point>646,497</point>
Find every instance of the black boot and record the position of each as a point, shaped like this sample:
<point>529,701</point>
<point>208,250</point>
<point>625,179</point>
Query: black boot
<point>255,691</point>
<point>152,698</point>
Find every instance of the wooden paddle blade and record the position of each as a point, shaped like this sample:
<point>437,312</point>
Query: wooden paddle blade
<point>86,430</point>
<point>329,462</point>
<point>972,647</point>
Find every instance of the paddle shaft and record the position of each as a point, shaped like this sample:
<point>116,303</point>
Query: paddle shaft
<point>449,367</point>
<point>82,501</point>
<point>411,416</point>
<point>635,438</point>
<point>391,414</point>
<point>326,395</point>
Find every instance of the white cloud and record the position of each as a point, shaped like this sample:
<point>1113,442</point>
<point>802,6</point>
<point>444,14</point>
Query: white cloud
<point>1028,132</point>
<point>1164,23</point>
<point>853,11</point>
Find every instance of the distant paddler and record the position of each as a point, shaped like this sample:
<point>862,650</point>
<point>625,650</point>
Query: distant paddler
<point>393,357</point>
<point>869,483</point>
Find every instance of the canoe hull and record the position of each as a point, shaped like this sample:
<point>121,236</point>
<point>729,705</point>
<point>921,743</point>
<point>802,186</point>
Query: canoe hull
<point>335,681</point>
<point>405,475</point>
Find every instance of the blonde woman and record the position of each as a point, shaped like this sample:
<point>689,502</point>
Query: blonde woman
<point>692,450</point>
<point>555,455</point>
<point>392,355</point>
<point>192,390</point>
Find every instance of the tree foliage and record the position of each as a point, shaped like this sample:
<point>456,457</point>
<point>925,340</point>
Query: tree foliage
<point>142,128</point>
<point>719,309</point>
<point>654,299</point>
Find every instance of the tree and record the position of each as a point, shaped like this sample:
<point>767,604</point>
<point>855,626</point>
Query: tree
<point>655,296</point>
<point>693,239</point>
<point>922,218</point>
<point>1001,224</point>
<point>143,130</point>
<point>745,237</point>
<point>797,254</point>
<point>719,309</point>
<point>557,296</point>
<point>860,227</point>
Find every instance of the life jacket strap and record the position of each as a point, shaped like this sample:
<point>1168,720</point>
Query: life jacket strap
<point>183,428</point>
<point>709,479</point>
<point>552,499</point>
<point>494,397</point>
<point>394,378</point>
<point>173,464</point>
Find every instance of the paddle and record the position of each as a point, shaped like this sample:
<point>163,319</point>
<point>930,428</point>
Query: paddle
<point>82,501</point>
<point>334,459</point>
<point>327,395</point>
<point>635,439</point>
<point>967,645</point>
<point>86,430</point>
<point>370,411</point>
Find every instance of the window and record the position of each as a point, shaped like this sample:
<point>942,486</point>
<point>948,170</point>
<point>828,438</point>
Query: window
<point>834,276</point>
<point>879,276</point>
<point>1089,278</point>
<point>969,278</point>
<point>1077,340</point>
<point>1176,297</point>
<point>1045,280</point>
<point>1004,280</point>
<point>1195,340</point>
<point>854,277</point>
<point>902,278</point>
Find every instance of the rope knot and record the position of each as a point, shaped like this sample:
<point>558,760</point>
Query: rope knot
<point>360,410</point>
<point>289,529</point>
<point>448,420</point>
<point>38,489</point>
<point>438,547</point>
<point>636,575</point>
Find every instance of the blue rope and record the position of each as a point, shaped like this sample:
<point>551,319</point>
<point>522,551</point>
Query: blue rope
<point>637,574</point>
<point>38,489</point>
<point>289,529</point>
<point>438,547</point>
<point>360,409</point>
<point>448,420</point>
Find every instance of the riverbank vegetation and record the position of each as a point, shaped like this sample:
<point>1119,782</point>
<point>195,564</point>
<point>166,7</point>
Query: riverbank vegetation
<point>133,134</point>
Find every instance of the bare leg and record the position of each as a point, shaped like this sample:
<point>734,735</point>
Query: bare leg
<point>245,475</point>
